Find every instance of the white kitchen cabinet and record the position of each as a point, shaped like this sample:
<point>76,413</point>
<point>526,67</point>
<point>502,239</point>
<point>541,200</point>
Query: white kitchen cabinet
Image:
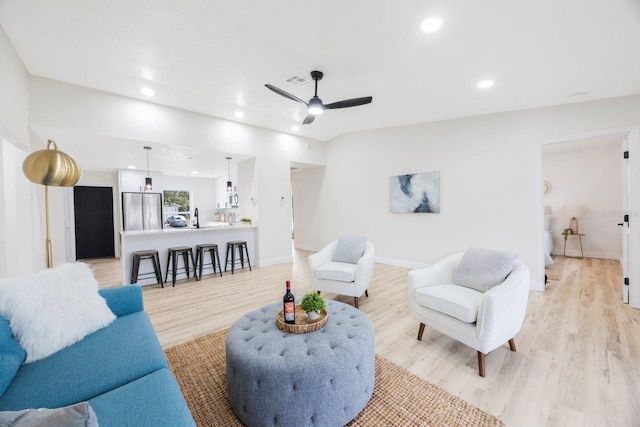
<point>223,199</point>
<point>221,192</point>
<point>133,181</point>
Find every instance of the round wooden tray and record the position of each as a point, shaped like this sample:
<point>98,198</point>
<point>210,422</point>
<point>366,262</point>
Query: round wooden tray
<point>303,324</point>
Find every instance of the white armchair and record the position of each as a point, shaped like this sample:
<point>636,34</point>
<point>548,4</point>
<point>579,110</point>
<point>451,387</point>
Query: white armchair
<point>481,320</point>
<point>343,278</point>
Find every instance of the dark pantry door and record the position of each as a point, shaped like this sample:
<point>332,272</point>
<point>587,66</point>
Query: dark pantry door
<point>93,211</point>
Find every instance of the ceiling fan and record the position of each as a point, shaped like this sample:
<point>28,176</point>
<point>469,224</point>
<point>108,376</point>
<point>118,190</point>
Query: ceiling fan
<point>315,105</point>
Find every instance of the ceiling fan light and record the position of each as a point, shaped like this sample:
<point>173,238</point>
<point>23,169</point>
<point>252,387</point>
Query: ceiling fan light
<point>315,106</point>
<point>315,110</point>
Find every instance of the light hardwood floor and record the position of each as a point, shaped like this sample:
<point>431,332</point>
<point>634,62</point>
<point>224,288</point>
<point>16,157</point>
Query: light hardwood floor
<point>578,358</point>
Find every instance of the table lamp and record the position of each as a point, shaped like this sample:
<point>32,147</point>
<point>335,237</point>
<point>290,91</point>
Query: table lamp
<point>51,167</point>
<point>574,212</point>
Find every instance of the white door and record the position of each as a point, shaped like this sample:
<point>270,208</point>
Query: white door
<point>624,221</point>
<point>633,225</point>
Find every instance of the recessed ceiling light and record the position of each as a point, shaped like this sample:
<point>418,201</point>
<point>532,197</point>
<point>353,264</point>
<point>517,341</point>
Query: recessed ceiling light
<point>431,25</point>
<point>131,167</point>
<point>295,128</point>
<point>485,84</point>
<point>147,74</point>
<point>147,91</point>
<point>194,172</point>
<point>239,114</point>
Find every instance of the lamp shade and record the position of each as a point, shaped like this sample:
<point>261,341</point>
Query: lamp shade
<point>51,167</point>
<point>574,211</point>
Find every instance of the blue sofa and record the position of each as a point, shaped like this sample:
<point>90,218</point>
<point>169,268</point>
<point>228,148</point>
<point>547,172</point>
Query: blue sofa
<point>120,370</point>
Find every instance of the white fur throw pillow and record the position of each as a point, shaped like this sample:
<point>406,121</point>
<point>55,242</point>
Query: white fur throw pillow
<point>53,308</point>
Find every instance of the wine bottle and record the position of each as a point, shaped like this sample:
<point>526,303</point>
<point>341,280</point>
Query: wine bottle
<point>289,306</point>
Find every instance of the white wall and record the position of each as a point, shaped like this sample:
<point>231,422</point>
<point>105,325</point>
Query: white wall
<point>273,189</point>
<point>21,243</point>
<point>491,182</point>
<point>591,177</point>
<point>248,190</point>
<point>19,252</point>
<point>14,87</point>
<point>308,222</point>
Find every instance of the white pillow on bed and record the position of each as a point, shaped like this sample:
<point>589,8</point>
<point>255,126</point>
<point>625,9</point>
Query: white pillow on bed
<point>53,308</point>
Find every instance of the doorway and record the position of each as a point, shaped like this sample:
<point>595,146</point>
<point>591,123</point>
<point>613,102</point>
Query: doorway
<point>94,225</point>
<point>588,173</point>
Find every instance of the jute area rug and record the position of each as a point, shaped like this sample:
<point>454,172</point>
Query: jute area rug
<point>400,398</point>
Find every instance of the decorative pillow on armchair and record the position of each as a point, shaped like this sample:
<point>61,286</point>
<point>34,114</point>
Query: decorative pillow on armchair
<point>53,308</point>
<point>482,269</point>
<point>349,249</point>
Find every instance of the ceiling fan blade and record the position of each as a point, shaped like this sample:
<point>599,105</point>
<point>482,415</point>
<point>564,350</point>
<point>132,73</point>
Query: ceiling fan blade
<point>309,119</point>
<point>285,94</point>
<point>349,103</point>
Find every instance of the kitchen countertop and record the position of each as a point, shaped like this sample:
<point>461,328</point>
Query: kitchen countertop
<point>218,226</point>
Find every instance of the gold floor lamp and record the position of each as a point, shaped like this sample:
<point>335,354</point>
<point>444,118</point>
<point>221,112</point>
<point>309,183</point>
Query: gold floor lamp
<point>51,167</point>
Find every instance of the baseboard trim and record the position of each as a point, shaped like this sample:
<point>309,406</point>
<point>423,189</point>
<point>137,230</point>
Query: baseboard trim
<point>274,261</point>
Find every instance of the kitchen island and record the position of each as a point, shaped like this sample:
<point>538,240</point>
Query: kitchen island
<point>162,240</point>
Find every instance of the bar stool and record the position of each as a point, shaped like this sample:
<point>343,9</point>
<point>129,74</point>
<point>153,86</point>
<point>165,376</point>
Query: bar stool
<point>139,256</point>
<point>212,248</point>
<point>231,250</point>
<point>172,260</point>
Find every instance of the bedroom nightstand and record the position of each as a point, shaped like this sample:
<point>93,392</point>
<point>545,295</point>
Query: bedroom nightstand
<point>579,236</point>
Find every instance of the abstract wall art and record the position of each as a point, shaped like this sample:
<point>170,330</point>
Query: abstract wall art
<point>415,193</point>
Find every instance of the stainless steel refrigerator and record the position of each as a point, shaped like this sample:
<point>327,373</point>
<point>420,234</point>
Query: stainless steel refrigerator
<point>141,211</point>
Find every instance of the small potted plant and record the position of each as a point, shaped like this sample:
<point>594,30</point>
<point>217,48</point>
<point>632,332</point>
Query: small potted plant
<point>312,303</point>
<point>245,220</point>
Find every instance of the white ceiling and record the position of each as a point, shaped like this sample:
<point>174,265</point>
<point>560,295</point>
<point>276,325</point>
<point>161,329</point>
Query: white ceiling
<point>214,57</point>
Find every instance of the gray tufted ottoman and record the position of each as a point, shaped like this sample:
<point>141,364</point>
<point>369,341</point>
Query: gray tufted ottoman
<point>321,378</point>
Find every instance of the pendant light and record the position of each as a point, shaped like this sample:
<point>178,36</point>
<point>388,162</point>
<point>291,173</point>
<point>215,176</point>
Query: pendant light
<point>229,183</point>
<point>147,181</point>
